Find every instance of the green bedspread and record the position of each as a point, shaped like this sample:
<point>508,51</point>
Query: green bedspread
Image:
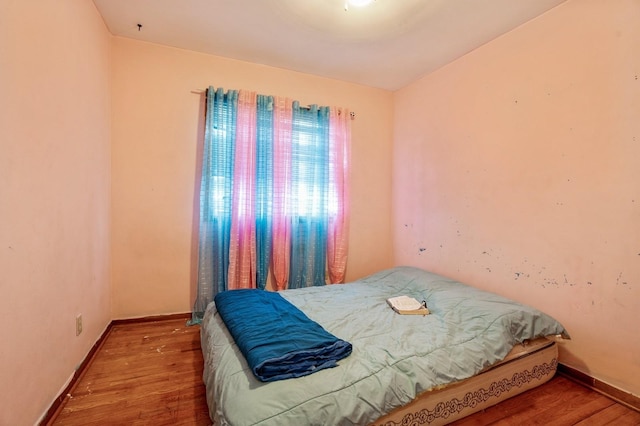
<point>395,357</point>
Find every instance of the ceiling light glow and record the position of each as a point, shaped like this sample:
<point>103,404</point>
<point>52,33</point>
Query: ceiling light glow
<point>359,3</point>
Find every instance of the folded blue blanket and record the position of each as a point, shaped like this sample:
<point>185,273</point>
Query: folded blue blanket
<point>277,339</point>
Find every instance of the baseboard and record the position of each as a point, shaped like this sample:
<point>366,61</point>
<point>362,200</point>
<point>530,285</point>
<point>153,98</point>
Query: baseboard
<point>58,403</point>
<point>623,397</point>
<point>185,315</point>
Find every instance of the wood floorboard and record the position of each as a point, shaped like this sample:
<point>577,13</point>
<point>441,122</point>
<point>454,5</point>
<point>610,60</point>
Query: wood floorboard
<point>144,373</point>
<point>615,414</point>
<point>150,373</point>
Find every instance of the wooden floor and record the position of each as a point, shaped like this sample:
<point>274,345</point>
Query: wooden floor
<point>144,373</point>
<point>150,373</point>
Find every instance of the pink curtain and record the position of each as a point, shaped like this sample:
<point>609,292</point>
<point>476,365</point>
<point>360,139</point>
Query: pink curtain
<point>242,244</point>
<point>282,129</point>
<point>340,163</point>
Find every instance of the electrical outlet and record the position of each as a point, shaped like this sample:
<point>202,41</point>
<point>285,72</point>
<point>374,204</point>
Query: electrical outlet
<point>78,324</point>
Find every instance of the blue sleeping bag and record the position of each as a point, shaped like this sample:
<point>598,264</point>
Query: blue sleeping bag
<point>277,339</point>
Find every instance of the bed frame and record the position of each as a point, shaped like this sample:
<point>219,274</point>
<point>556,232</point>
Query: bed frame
<point>525,367</point>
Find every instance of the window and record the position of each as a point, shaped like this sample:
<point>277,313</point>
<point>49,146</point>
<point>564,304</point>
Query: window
<point>274,194</point>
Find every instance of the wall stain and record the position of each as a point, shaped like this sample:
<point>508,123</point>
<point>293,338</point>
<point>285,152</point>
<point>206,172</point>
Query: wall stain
<point>566,281</point>
<point>618,280</point>
<point>542,278</point>
<point>551,282</point>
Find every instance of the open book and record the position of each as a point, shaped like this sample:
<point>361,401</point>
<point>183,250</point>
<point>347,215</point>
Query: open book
<point>406,305</point>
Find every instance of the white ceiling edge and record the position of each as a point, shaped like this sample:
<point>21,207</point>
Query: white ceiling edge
<point>386,45</point>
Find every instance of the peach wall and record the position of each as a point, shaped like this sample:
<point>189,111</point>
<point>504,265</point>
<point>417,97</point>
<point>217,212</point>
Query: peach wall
<point>54,197</point>
<point>516,170</point>
<point>157,129</point>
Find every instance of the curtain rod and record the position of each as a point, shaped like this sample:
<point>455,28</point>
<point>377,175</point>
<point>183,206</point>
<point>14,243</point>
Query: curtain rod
<point>203,91</point>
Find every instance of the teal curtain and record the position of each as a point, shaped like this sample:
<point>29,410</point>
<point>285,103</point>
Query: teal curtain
<point>215,196</point>
<point>310,188</point>
<point>264,187</point>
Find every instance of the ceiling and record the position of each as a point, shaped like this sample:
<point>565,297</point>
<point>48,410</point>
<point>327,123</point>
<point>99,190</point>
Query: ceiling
<point>387,44</point>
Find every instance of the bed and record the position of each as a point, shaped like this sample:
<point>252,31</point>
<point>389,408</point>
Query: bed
<point>472,351</point>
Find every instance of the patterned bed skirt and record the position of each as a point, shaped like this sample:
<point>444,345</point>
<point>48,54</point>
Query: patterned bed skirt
<point>453,402</point>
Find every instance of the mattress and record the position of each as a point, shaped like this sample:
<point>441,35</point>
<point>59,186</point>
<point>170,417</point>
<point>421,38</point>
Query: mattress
<point>396,359</point>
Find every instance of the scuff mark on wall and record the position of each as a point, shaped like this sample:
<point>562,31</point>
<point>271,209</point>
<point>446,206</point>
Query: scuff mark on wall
<point>528,273</point>
<point>619,280</point>
<point>566,281</point>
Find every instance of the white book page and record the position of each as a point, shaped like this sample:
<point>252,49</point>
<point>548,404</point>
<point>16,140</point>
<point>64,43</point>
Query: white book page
<point>405,303</point>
